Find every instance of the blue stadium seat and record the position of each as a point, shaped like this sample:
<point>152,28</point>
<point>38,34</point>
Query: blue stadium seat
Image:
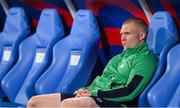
<point>162,35</point>
<point>162,92</point>
<point>73,57</point>
<point>16,29</point>
<point>35,56</point>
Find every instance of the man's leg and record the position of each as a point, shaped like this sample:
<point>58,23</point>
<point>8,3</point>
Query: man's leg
<point>79,102</point>
<point>46,100</point>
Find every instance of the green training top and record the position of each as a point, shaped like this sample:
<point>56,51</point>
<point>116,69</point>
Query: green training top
<point>126,75</point>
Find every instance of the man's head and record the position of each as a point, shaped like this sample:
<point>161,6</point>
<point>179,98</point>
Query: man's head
<point>133,32</point>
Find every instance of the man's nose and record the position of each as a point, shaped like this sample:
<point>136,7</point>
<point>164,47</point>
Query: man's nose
<point>123,37</point>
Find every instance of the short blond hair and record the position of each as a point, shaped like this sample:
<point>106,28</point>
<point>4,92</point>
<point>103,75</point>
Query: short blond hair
<point>139,22</point>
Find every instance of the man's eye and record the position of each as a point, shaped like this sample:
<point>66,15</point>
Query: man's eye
<point>125,33</point>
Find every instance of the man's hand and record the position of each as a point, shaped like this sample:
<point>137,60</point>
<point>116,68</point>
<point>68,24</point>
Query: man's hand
<point>82,93</point>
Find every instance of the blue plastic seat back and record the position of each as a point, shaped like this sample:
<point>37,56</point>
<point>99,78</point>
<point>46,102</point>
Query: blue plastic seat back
<point>73,57</point>
<point>15,30</point>
<point>162,92</point>
<point>162,35</point>
<point>35,56</point>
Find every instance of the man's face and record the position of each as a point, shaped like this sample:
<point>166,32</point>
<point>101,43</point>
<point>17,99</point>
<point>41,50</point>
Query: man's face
<point>131,35</point>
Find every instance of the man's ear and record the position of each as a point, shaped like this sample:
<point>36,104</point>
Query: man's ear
<point>142,36</point>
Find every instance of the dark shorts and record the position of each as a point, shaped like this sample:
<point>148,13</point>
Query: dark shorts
<point>100,102</point>
<point>65,96</point>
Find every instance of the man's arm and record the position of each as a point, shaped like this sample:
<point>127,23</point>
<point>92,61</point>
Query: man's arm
<point>121,92</point>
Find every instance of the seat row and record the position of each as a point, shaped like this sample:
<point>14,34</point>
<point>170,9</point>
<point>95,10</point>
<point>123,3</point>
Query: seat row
<point>47,61</point>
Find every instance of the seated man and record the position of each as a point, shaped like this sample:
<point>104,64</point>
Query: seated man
<point>123,79</point>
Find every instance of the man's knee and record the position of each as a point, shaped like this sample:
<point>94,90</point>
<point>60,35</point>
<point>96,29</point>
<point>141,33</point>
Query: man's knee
<point>30,103</point>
